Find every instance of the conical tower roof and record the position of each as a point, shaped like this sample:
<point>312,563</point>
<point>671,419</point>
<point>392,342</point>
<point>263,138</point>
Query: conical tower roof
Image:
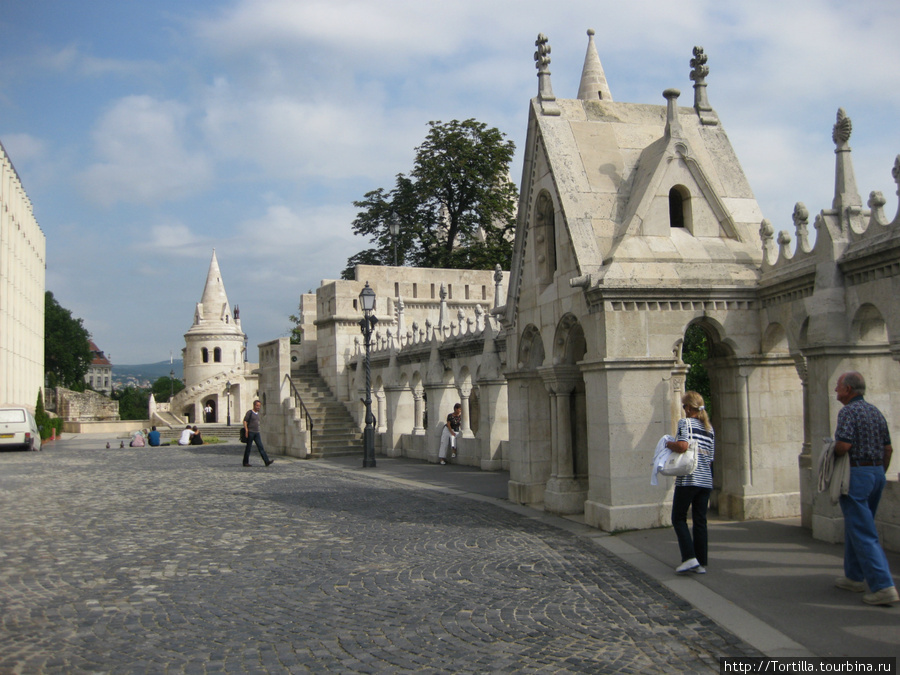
<point>213,312</point>
<point>593,85</point>
<point>214,292</point>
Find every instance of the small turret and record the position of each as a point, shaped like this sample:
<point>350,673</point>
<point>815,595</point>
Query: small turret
<point>593,85</point>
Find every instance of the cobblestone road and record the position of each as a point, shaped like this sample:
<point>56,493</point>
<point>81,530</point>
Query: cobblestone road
<point>180,561</point>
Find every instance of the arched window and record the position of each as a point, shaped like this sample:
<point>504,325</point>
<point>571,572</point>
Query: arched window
<point>217,355</point>
<point>679,207</point>
<point>204,353</point>
<point>545,238</point>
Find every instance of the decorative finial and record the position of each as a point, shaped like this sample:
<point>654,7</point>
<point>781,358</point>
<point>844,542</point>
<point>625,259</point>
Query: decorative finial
<point>895,172</point>
<point>545,89</point>
<point>842,128</point>
<point>699,69</point>
<point>542,55</point>
<point>498,271</point>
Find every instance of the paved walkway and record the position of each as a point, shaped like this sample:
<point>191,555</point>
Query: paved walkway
<point>181,561</point>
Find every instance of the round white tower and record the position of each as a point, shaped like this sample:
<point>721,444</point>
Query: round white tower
<point>215,342</point>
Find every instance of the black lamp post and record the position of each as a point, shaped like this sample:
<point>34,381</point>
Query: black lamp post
<point>228,403</point>
<point>367,324</point>
<point>394,226</point>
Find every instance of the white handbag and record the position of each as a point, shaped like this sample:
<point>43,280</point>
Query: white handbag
<point>683,463</point>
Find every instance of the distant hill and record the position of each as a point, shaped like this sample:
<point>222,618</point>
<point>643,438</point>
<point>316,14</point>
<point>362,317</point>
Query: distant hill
<point>149,372</point>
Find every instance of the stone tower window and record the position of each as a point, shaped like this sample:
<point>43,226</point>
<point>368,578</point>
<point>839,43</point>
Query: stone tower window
<point>217,355</point>
<point>679,207</point>
<point>204,353</point>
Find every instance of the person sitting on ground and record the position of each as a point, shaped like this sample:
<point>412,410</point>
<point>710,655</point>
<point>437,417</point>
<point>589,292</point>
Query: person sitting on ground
<point>186,436</point>
<point>153,438</point>
<point>137,440</point>
<point>196,439</point>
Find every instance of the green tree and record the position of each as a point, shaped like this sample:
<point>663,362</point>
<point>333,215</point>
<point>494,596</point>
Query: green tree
<point>134,402</point>
<point>695,353</point>
<point>67,351</point>
<point>457,207</point>
<point>164,386</point>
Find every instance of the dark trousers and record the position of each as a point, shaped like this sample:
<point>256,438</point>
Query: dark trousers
<point>251,437</point>
<point>697,499</point>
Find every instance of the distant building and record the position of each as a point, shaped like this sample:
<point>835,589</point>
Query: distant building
<point>99,374</point>
<point>22,267</point>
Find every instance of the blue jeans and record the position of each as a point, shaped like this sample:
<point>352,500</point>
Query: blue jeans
<point>864,558</point>
<point>697,499</point>
<point>251,437</point>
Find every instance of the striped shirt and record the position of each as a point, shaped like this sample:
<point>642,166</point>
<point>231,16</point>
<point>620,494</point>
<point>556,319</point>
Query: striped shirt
<point>706,442</point>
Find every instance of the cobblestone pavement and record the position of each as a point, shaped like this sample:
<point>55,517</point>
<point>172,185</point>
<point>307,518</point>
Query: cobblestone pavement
<point>169,560</point>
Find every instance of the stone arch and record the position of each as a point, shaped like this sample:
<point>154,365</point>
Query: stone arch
<point>569,345</point>
<point>211,415</point>
<point>868,326</point>
<point>775,340</point>
<point>531,349</point>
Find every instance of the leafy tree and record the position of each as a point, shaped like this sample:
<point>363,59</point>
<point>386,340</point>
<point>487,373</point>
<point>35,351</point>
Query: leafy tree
<point>164,386</point>
<point>134,402</point>
<point>67,351</point>
<point>456,208</point>
<point>695,353</point>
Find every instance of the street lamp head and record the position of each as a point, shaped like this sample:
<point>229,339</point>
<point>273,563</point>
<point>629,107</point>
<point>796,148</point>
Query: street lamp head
<point>394,225</point>
<point>367,299</point>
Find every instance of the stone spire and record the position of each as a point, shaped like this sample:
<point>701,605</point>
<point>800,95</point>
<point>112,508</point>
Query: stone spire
<point>845,192</point>
<point>593,85</point>
<point>213,307</point>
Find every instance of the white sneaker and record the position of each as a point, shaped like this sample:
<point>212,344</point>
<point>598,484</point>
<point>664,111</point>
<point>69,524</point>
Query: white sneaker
<point>453,456</point>
<point>886,596</point>
<point>850,585</point>
<point>687,566</point>
<point>699,569</point>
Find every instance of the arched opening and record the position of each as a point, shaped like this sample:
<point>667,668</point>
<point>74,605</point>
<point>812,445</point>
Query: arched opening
<point>210,411</point>
<point>545,238</point>
<point>217,355</point>
<point>679,207</point>
<point>868,325</point>
<point>204,355</point>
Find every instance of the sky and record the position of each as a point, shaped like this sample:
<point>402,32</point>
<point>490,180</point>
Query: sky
<point>147,134</point>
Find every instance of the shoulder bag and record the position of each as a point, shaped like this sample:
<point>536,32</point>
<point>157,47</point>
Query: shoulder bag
<point>683,463</point>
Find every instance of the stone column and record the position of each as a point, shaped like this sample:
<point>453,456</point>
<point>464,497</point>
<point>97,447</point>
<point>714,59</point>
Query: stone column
<point>465,427</point>
<point>564,493</point>
<point>418,411</point>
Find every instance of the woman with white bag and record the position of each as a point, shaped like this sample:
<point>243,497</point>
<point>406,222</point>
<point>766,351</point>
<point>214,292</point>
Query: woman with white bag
<point>693,490</point>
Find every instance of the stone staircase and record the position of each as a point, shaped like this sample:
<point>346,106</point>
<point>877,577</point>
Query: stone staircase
<point>334,431</point>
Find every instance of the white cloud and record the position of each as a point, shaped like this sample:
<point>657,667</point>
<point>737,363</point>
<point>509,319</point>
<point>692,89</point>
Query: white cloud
<point>144,154</point>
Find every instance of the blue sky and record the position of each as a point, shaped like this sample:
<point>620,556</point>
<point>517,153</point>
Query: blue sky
<point>148,133</point>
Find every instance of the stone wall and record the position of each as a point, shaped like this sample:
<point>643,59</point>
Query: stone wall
<point>88,406</point>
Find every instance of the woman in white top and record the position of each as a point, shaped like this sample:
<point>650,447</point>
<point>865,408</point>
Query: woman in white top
<point>692,491</point>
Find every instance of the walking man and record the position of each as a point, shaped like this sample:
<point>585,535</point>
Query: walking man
<point>251,426</point>
<point>862,431</point>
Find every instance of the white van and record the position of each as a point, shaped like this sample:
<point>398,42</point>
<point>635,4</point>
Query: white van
<point>18,430</point>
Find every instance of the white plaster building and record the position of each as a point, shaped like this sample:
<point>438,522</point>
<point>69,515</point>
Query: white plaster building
<point>22,273</point>
<point>99,374</point>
